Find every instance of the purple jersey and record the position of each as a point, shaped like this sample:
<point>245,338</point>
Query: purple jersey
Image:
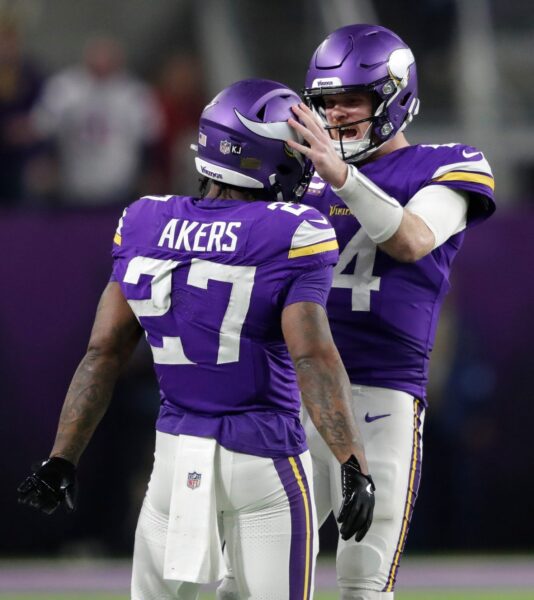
<point>384,313</point>
<point>208,280</point>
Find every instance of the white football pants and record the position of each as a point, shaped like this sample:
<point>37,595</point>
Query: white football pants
<point>266,516</point>
<point>391,424</point>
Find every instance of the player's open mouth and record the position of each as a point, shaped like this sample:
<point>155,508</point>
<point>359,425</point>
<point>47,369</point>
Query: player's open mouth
<point>348,134</point>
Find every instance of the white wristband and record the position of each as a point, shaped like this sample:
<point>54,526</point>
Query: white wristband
<point>380,215</point>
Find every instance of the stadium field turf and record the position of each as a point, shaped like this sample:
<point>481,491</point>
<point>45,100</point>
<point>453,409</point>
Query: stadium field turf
<point>322,595</point>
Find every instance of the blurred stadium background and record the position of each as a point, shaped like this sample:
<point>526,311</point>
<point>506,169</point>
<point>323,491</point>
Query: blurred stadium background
<point>476,68</point>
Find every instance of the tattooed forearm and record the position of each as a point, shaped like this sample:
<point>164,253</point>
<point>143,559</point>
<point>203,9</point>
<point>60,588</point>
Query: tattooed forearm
<point>86,402</point>
<point>325,391</point>
<point>113,338</point>
<point>324,384</point>
<point>333,425</point>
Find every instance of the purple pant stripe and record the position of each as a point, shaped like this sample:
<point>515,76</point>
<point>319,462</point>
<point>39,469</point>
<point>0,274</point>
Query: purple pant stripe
<point>411,494</point>
<point>300,559</point>
<point>308,498</point>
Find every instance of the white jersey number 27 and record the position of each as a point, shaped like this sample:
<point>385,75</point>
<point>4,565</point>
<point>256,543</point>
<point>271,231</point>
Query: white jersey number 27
<point>362,281</point>
<point>200,272</point>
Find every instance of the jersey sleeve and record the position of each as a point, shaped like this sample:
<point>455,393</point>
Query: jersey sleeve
<point>313,241</point>
<point>125,230</point>
<point>465,168</point>
<point>306,256</point>
<point>125,237</point>
<point>132,229</point>
<point>118,249</point>
<point>299,236</point>
<point>117,238</point>
<point>311,286</point>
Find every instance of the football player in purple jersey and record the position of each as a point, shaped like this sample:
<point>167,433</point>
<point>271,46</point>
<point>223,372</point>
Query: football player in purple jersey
<point>229,289</point>
<point>400,212</point>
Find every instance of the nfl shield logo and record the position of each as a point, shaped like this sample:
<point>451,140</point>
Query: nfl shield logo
<point>225,147</point>
<point>193,480</point>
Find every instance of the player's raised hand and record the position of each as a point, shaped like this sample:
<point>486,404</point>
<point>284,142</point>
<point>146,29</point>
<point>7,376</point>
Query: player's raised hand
<point>52,484</point>
<point>319,148</point>
<point>356,512</point>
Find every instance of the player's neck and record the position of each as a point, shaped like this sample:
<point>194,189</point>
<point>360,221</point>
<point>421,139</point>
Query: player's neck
<point>228,193</point>
<point>396,143</point>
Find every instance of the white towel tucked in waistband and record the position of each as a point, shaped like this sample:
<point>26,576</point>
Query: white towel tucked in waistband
<point>193,547</point>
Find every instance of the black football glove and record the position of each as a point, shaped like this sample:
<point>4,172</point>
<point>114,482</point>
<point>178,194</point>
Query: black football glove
<point>52,484</point>
<point>356,512</point>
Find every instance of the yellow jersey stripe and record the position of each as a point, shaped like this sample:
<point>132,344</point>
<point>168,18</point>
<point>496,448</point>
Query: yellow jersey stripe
<point>468,176</point>
<point>313,249</point>
<point>408,507</point>
<point>305,499</point>
<point>117,239</point>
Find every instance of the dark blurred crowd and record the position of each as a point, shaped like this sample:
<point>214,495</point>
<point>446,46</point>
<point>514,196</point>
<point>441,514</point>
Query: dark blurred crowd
<point>92,136</point>
<point>93,133</point>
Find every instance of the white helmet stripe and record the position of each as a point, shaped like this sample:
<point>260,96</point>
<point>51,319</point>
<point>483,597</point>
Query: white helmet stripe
<point>278,130</point>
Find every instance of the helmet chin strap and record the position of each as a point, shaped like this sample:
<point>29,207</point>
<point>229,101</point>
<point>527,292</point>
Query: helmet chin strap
<point>364,153</point>
<point>276,188</point>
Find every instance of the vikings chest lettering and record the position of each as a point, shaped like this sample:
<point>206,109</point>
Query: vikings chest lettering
<point>338,210</point>
<point>217,236</point>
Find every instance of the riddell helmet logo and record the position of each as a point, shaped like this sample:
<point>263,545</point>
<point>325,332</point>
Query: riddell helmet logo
<point>209,173</point>
<point>327,82</point>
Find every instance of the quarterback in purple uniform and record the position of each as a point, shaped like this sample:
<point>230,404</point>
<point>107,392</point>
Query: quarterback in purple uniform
<point>229,289</point>
<point>400,213</point>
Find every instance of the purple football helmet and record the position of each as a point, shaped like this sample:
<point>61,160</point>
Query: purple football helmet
<point>365,58</point>
<point>242,141</point>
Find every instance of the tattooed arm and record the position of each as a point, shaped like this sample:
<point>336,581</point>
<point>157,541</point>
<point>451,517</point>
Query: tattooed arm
<point>113,338</point>
<point>322,379</point>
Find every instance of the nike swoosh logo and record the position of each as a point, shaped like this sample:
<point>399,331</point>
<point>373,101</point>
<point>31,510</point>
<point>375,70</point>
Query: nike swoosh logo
<point>369,419</point>
<point>470,154</point>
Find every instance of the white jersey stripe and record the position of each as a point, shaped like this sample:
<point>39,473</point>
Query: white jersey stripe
<point>476,166</point>
<point>307,234</point>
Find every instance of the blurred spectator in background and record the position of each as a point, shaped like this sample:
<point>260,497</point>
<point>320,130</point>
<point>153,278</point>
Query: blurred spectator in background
<point>104,123</point>
<point>181,97</point>
<point>20,85</point>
